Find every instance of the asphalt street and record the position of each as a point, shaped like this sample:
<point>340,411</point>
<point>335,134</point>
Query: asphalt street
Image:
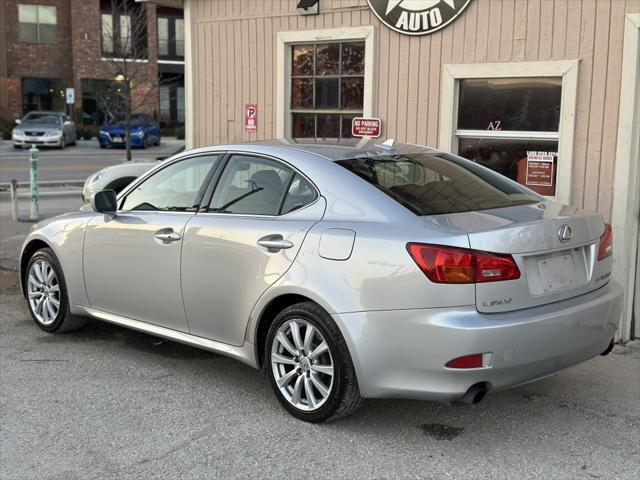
<point>109,403</point>
<point>74,163</point>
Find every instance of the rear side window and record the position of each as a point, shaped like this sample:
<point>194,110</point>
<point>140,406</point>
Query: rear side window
<point>300,194</point>
<point>438,183</point>
<point>251,186</point>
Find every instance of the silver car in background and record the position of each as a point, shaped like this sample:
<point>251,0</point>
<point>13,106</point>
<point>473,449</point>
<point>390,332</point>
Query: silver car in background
<point>342,272</point>
<point>48,129</point>
<point>114,177</point>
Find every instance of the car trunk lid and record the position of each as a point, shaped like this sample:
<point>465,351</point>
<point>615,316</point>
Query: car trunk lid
<point>554,246</point>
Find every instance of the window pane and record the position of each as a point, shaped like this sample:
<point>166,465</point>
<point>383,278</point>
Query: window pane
<point>27,13</point>
<point>346,126</point>
<point>328,126</point>
<point>250,185</point>
<point>302,60</point>
<point>179,37</point>
<point>352,92</point>
<point>165,102</point>
<point>173,188</point>
<point>520,160</point>
<point>125,34</point>
<point>529,104</point>
<point>28,32</point>
<point>353,58</point>
<point>327,59</point>
<point>180,104</point>
<point>47,33</point>
<point>437,183</point>
<point>107,33</point>
<point>327,93</point>
<point>303,126</point>
<point>300,193</point>
<point>163,36</point>
<point>47,15</point>
<point>302,93</point>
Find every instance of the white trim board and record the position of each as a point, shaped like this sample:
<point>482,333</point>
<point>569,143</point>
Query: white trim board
<point>188,78</point>
<point>286,39</point>
<point>626,198</point>
<point>567,69</point>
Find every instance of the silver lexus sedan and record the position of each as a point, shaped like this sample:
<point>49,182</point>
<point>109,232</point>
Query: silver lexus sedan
<point>342,272</point>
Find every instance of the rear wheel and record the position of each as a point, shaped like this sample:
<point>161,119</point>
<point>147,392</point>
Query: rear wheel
<point>308,363</point>
<point>47,294</point>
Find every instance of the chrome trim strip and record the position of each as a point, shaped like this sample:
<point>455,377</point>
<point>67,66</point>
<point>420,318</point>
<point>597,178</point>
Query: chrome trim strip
<point>244,353</point>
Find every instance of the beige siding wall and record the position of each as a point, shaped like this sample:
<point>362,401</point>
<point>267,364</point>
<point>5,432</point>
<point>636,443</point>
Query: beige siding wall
<point>234,56</point>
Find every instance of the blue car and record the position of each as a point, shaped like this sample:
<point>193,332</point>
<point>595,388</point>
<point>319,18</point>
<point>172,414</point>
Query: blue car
<point>144,132</point>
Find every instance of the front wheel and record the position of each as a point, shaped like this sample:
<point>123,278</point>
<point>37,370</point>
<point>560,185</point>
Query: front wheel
<point>308,363</point>
<point>46,293</point>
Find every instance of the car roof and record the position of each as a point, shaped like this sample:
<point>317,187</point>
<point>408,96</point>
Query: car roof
<point>332,149</point>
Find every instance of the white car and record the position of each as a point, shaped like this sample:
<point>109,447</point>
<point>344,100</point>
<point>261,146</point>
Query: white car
<point>115,177</point>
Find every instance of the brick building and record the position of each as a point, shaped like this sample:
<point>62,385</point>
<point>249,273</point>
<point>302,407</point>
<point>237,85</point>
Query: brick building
<point>47,46</point>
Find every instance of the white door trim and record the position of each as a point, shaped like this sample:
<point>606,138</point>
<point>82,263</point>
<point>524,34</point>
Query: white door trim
<point>626,198</point>
<point>189,91</point>
<point>286,39</point>
<point>567,69</point>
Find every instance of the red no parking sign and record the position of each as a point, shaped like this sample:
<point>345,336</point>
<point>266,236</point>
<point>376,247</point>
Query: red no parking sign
<point>250,117</point>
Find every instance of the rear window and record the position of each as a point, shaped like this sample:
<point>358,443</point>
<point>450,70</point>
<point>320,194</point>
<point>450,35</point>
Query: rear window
<point>438,183</point>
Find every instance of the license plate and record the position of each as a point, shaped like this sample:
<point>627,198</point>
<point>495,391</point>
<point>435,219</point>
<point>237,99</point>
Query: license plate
<point>117,140</point>
<point>557,273</point>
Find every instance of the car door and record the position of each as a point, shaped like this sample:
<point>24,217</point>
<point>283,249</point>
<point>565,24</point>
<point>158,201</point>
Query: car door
<point>132,261</point>
<point>246,239</point>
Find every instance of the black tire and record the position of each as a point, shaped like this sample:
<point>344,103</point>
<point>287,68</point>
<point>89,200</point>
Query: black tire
<point>344,398</point>
<point>145,143</point>
<point>103,146</point>
<point>63,143</point>
<point>64,320</point>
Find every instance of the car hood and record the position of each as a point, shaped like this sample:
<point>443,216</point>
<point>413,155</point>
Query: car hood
<point>119,129</point>
<point>41,127</point>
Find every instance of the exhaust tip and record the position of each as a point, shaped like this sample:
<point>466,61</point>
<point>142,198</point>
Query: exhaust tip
<point>475,394</point>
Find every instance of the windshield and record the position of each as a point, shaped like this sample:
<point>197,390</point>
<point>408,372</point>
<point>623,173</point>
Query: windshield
<point>42,118</point>
<point>435,183</point>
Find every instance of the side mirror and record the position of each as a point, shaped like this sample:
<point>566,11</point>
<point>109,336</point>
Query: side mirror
<point>105,202</point>
<point>18,121</point>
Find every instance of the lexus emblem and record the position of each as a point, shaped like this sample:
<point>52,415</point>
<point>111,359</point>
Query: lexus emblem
<point>565,233</point>
<point>417,17</point>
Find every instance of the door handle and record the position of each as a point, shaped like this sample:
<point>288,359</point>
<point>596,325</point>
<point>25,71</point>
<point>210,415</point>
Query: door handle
<point>274,243</point>
<point>167,236</point>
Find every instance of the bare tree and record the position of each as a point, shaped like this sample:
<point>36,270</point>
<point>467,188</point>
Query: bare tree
<point>125,50</point>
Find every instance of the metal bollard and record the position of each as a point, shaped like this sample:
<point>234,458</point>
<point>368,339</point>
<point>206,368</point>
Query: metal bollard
<point>35,180</point>
<point>13,188</point>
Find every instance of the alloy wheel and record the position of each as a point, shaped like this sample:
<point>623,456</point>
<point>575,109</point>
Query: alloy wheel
<point>302,364</point>
<point>43,290</point>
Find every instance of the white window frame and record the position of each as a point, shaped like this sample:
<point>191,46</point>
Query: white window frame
<point>626,187</point>
<point>566,69</point>
<point>287,39</point>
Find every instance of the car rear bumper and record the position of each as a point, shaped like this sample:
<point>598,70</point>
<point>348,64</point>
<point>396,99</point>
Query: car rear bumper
<point>402,353</point>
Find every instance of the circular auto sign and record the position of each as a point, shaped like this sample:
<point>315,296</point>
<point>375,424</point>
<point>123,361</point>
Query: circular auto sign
<point>417,17</point>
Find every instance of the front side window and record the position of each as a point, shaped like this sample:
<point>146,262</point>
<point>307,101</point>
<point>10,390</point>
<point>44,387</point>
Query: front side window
<point>327,89</point>
<point>438,183</point>
<point>251,186</point>
<point>37,23</point>
<point>511,125</point>
<point>174,188</point>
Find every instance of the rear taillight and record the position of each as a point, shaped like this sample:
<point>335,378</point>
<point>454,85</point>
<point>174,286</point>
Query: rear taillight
<point>606,243</point>
<point>442,264</point>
